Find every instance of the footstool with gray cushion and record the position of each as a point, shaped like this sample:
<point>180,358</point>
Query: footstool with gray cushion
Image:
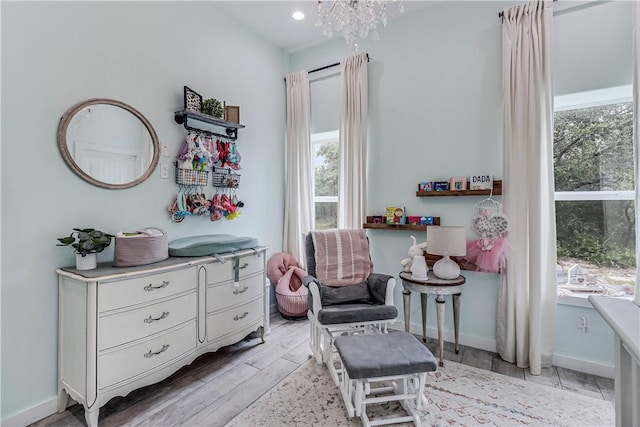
<point>397,360</point>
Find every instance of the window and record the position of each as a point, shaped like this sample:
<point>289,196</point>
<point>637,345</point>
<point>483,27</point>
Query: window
<point>594,186</point>
<point>326,165</point>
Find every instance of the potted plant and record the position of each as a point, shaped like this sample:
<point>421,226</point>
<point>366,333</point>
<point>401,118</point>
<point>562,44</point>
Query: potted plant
<point>213,107</point>
<point>86,242</point>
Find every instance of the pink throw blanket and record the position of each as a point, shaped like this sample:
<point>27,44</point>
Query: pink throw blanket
<point>342,256</point>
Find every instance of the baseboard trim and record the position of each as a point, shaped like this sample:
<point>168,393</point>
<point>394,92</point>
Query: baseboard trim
<point>468,340</point>
<point>568,362</point>
<point>33,414</point>
<point>586,366</point>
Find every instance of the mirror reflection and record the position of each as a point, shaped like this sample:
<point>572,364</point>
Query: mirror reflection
<point>108,143</point>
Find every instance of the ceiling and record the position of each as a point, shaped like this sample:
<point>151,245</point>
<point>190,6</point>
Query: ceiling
<point>272,19</point>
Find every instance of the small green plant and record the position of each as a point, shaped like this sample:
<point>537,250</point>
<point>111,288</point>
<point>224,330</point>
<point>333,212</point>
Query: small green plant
<point>212,107</point>
<point>86,241</point>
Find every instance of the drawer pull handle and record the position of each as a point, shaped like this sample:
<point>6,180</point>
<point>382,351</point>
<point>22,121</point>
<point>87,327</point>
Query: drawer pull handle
<point>150,319</point>
<point>151,353</point>
<point>240,291</point>
<point>245,265</point>
<point>241,316</point>
<point>150,286</point>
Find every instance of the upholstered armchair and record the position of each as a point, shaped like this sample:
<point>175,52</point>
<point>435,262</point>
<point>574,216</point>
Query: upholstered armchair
<point>345,296</point>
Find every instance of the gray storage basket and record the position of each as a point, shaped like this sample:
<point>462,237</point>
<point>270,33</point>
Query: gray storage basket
<point>140,250</point>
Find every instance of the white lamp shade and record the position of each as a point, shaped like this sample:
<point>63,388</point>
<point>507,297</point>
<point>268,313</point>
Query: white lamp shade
<point>446,241</point>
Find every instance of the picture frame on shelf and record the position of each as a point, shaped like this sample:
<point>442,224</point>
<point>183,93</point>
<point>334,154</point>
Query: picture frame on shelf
<point>458,183</point>
<point>481,182</point>
<point>232,113</point>
<point>192,100</point>
<point>440,186</point>
<point>425,186</point>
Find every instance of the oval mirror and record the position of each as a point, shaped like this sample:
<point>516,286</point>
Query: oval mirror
<point>108,143</point>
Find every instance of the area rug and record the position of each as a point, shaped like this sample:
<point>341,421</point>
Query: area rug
<point>459,395</point>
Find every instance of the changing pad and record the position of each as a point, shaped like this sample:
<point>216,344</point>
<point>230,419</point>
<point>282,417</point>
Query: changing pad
<point>210,244</point>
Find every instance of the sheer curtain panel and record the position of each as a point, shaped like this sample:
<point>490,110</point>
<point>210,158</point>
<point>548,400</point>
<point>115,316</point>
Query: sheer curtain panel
<point>527,301</point>
<point>353,142</point>
<point>298,205</point>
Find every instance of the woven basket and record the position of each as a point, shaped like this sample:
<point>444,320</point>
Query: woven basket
<point>144,248</point>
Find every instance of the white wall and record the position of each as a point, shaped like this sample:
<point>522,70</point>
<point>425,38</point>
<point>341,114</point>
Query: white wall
<point>55,54</point>
<point>436,112</point>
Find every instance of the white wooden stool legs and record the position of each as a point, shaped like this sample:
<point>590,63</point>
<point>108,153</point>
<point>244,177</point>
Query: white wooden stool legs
<point>408,390</point>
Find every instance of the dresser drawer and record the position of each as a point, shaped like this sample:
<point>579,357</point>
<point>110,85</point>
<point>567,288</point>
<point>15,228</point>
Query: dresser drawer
<point>224,322</point>
<point>127,326</point>
<point>118,365</point>
<point>139,290</point>
<point>226,294</point>
<point>247,265</point>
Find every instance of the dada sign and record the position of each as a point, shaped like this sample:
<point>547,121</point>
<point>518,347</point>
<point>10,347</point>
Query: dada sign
<point>480,182</point>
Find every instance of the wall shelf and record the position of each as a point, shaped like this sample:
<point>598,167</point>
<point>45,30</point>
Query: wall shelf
<point>414,227</point>
<point>182,117</point>
<point>497,190</point>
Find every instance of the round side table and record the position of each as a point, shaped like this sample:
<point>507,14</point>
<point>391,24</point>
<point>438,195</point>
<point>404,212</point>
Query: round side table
<point>438,287</point>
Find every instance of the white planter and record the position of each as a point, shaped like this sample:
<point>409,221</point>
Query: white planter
<point>87,262</point>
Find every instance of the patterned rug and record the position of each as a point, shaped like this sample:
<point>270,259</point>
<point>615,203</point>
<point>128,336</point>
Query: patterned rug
<point>459,395</point>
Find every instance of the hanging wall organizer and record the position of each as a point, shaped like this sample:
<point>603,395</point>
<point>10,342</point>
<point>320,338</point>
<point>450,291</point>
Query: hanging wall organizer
<point>204,150</point>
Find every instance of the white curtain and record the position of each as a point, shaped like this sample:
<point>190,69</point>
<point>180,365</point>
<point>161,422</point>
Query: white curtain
<point>527,301</point>
<point>298,205</point>
<point>635,32</point>
<point>353,142</point>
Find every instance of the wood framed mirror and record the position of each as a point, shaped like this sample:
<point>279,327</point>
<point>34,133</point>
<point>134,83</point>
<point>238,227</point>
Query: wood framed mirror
<point>108,143</point>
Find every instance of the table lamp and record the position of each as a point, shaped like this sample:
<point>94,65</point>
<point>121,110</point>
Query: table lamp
<point>446,241</point>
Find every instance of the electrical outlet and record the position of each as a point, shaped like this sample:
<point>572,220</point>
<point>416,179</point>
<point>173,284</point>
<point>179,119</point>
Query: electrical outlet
<point>582,321</point>
<point>164,170</point>
<point>164,150</point>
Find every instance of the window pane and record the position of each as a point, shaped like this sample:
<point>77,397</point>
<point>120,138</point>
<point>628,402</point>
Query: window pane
<point>593,148</point>
<point>327,169</point>
<point>326,215</point>
<point>326,180</point>
<point>600,237</point>
<point>593,153</point>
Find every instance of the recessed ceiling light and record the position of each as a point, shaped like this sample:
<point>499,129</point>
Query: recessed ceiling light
<point>298,15</point>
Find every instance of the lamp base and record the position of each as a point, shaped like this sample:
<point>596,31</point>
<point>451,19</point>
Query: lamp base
<point>445,268</point>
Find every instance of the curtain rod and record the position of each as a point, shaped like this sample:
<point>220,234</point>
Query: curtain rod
<point>328,66</point>
<point>500,14</point>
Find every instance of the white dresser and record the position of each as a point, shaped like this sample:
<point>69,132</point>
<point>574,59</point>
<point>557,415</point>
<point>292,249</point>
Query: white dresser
<point>124,328</point>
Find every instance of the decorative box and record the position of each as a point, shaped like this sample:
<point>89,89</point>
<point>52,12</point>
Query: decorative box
<point>426,220</point>
<point>415,220</point>
<point>141,247</point>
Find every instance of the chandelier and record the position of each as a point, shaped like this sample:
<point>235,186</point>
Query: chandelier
<point>353,18</point>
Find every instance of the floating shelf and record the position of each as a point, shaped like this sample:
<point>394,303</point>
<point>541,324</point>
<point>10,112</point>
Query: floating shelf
<point>182,117</point>
<point>415,227</point>
<point>497,190</point>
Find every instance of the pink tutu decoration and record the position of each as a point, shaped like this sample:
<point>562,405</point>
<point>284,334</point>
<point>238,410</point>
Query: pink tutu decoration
<point>486,255</point>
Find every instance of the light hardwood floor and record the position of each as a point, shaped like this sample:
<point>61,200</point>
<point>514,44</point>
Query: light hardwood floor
<point>218,386</point>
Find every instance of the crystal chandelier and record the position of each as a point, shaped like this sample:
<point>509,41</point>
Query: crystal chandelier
<point>353,18</point>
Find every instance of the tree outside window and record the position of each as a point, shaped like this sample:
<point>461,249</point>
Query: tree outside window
<point>594,184</point>
<point>326,162</point>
